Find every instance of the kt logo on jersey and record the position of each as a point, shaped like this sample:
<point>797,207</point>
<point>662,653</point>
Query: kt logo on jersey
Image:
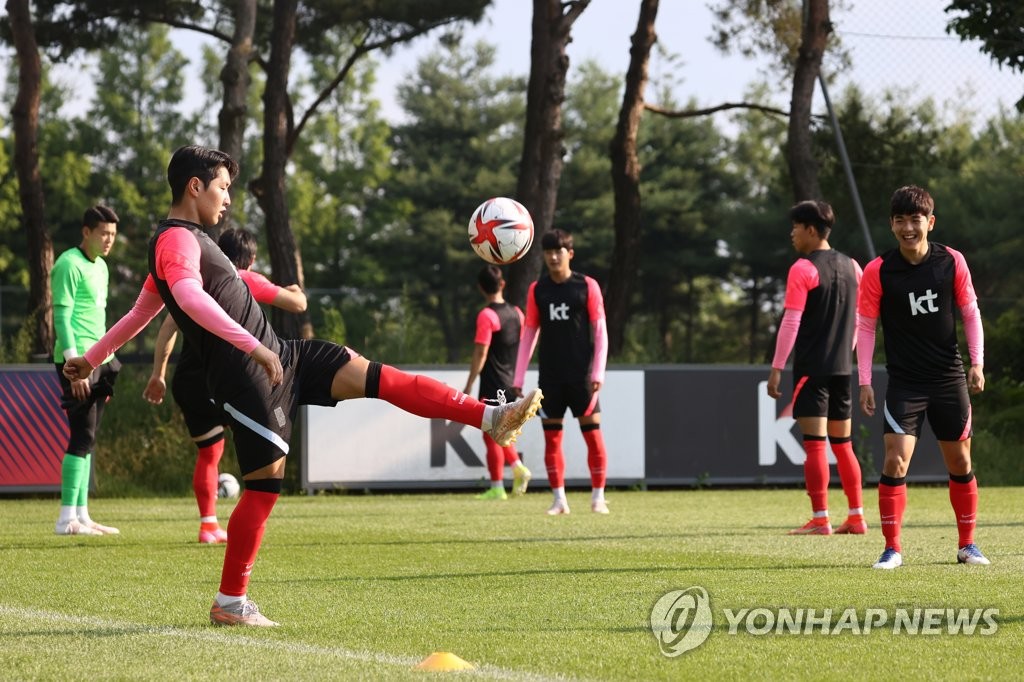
<point>558,312</point>
<point>917,304</point>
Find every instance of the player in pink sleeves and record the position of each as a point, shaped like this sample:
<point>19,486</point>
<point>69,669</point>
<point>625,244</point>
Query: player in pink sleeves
<point>204,419</point>
<point>259,379</point>
<point>818,327</point>
<point>566,309</point>
<point>914,290</point>
<point>498,328</point>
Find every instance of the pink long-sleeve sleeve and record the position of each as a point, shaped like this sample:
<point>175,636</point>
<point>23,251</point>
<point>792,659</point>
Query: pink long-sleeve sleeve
<point>147,306</point>
<point>974,332</point>
<point>786,339</point>
<point>189,295</point>
<point>865,347</point>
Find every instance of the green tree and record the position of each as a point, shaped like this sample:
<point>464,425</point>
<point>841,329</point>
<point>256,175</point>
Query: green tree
<point>459,147</point>
<point>998,24</point>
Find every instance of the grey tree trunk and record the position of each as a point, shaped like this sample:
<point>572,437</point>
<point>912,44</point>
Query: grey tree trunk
<point>540,169</point>
<point>803,170</point>
<point>25,117</point>
<point>626,181</point>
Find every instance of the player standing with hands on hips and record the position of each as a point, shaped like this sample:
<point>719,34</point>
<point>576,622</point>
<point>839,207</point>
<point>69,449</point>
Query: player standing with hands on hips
<point>913,290</point>
<point>498,328</point>
<point>567,309</point>
<point>258,378</point>
<point>820,324</point>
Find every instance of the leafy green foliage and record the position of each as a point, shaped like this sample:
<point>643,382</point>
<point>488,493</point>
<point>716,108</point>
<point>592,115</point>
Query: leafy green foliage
<point>998,24</point>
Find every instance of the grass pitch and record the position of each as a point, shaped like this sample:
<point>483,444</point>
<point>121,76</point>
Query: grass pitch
<point>367,586</point>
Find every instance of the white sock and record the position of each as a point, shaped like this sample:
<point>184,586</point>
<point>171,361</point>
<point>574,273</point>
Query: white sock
<point>83,515</point>
<point>486,423</point>
<point>856,511</point>
<point>67,513</point>
<point>497,484</point>
<point>596,494</point>
<point>228,600</point>
<point>208,519</point>
<point>559,494</point>
<point>821,514</point>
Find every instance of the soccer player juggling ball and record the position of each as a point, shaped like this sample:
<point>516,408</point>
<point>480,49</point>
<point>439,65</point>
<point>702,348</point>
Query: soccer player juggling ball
<point>258,378</point>
<point>204,418</point>
<point>913,290</point>
<point>819,323</point>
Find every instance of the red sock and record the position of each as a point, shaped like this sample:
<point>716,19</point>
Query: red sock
<point>426,397</point>
<point>245,533</point>
<point>554,460</point>
<point>849,471</point>
<point>892,501</point>
<point>597,456</point>
<point>816,472</point>
<point>964,498</point>
<point>495,459</point>
<point>511,456</point>
<point>204,477</point>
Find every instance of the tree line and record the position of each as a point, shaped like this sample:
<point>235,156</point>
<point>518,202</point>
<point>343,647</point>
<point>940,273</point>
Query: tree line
<point>679,214</point>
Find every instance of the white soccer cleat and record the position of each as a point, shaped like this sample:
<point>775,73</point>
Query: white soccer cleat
<point>73,527</point>
<point>889,560</point>
<point>558,508</point>
<point>599,507</point>
<point>508,419</point>
<point>970,554</point>
<point>103,530</point>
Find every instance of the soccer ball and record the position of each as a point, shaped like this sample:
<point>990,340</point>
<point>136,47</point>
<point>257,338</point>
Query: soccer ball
<point>501,230</point>
<point>227,486</point>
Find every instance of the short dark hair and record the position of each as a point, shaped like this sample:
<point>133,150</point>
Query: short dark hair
<point>94,215</point>
<point>490,278</point>
<point>193,161</point>
<point>817,214</point>
<point>911,199</point>
<point>239,246</point>
<point>556,239</point>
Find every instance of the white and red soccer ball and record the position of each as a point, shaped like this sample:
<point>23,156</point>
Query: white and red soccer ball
<point>501,230</point>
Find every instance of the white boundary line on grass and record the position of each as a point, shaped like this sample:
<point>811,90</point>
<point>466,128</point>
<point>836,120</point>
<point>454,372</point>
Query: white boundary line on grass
<point>221,636</point>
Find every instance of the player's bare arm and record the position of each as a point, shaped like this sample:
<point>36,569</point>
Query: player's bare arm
<point>156,387</point>
<point>270,362</point>
<point>774,381</point>
<point>867,400</point>
<point>976,379</point>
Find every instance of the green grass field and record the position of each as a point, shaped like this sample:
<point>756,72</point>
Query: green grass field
<point>367,586</point>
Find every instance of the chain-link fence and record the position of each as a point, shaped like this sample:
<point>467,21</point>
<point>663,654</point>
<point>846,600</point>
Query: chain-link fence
<point>904,47</point>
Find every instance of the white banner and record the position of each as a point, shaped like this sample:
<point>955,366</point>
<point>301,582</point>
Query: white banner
<point>367,442</point>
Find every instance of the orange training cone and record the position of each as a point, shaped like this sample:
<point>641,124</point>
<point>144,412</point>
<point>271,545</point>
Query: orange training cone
<point>442,661</point>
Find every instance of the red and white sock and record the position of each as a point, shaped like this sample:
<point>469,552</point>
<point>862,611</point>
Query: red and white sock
<point>597,456</point>
<point>892,501</point>
<point>963,495</point>
<point>495,459</point>
<point>849,472</point>
<point>816,473</point>
<point>554,459</point>
<point>245,534</point>
<point>204,477</point>
<point>426,397</point>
